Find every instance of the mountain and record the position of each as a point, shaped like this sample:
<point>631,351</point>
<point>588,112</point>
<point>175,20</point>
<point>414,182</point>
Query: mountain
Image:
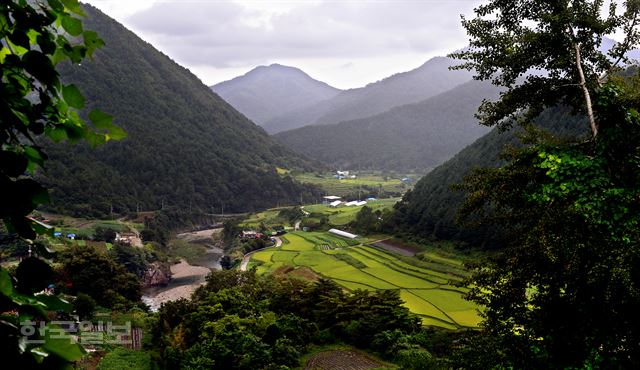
<point>429,210</point>
<point>186,146</point>
<point>266,92</point>
<point>416,136</point>
<point>430,79</point>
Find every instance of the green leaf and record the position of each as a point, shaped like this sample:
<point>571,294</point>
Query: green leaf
<point>57,134</point>
<point>61,344</point>
<point>6,285</point>
<point>72,25</point>
<point>92,41</point>
<point>54,303</point>
<point>3,54</point>
<point>104,121</point>
<point>73,6</point>
<point>116,133</point>
<point>100,119</point>
<point>73,97</point>
<point>95,139</point>
<point>56,5</point>
<point>34,155</point>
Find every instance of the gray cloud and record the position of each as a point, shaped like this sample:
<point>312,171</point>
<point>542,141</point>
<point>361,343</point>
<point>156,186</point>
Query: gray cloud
<point>217,33</point>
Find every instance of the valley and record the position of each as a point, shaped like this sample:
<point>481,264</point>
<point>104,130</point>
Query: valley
<point>319,185</point>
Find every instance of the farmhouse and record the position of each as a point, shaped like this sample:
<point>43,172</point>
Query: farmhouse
<point>355,203</point>
<point>335,204</point>
<point>125,238</point>
<point>343,234</point>
<point>330,198</point>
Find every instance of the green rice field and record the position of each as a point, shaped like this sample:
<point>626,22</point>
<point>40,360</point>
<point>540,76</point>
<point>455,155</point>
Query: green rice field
<point>368,182</point>
<point>431,293</point>
<point>342,215</point>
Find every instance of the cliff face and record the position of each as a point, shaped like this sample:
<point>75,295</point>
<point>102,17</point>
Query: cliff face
<point>158,274</point>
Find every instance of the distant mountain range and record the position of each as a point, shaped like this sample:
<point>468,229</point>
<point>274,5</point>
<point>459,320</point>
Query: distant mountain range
<point>186,147</point>
<point>429,210</point>
<point>430,79</point>
<point>417,136</point>
<point>267,92</point>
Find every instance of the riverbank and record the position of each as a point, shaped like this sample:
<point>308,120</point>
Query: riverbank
<point>185,279</point>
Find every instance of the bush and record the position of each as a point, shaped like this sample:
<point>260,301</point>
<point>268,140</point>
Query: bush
<point>122,358</point>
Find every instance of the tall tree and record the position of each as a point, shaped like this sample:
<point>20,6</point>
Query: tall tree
<point>546,53</point>
<point>564,292</point>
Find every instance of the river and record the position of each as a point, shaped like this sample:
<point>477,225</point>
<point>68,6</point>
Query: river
<point>186,278</point>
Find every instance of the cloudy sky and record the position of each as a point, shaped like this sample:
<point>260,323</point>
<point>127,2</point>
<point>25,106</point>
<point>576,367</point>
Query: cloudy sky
<point>344,43</point>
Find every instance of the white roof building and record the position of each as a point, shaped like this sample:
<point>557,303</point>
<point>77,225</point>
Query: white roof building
<point>343,233</point>
<point>331,197</point>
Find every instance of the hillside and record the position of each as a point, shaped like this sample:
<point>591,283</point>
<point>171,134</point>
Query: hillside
<point>412,137</point>
<point>186,147</point>
<point>430,79</point>
<point>430,209</point>
<point>267,92</point>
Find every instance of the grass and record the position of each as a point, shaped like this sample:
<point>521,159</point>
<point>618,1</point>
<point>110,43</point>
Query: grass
<point>367,183</point>
<point>426,292</point>
<point>298,243</point>
<point>268,218</point>
<point>189,251</point>
<point>342,215</point>
<point>122,358</point>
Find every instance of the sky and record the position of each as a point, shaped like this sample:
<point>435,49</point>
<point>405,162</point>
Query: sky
<point>347,44</point>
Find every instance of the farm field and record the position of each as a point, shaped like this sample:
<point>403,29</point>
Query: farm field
<point>342,215</point>
<point>369,183</point>
<point>432,294</point>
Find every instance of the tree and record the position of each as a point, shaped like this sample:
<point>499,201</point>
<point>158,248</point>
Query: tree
<point>88,271</point>
<point>564,292</point>
<point>35,37</point>
<point>546,53</point>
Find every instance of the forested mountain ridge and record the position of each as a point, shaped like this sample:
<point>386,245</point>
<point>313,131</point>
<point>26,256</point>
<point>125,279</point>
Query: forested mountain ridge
<point>417,136</point>
<point>186,147</point>
<point>430,79</point>
<point>266,92</point>
<point>429,210</point>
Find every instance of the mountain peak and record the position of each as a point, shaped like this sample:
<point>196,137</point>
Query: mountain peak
<point>269,91</point>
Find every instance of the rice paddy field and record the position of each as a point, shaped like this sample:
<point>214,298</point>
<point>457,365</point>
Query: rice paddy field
<point>368,182</point>
<point>342,215</point>
<point>430,292</point>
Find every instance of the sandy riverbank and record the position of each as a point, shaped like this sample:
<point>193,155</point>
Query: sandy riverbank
<point>185,280</point>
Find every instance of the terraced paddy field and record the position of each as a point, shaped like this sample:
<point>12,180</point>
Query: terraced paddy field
<point>428,289</point>
<point>342,215</point>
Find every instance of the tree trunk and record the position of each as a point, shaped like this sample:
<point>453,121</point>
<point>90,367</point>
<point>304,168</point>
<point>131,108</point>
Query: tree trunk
<point>585,90</point>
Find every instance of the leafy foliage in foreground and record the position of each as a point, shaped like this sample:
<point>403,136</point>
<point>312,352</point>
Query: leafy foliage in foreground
<point>241,320</point>
<point>565,292</point>
<point>34,102</point>
<point>186,147</point>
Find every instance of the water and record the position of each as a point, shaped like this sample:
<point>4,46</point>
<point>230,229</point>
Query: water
<point>153,296</point>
